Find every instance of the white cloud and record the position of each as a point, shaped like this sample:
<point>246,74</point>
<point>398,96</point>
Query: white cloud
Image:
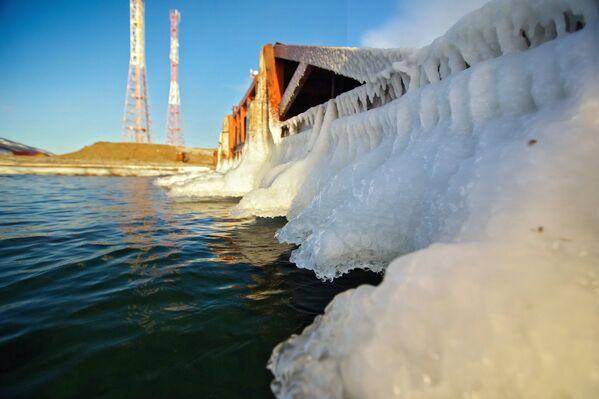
<point>419,22</point>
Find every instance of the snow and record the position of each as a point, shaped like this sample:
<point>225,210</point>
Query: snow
<point>230,179</point>
<point>470,166</point>
<point>502,299</point>
<point>473,320</point>
<point>492,199</point>
<point>357,63</point>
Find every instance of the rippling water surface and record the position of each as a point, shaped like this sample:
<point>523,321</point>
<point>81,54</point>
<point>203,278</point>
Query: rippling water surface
<point>108,288</point>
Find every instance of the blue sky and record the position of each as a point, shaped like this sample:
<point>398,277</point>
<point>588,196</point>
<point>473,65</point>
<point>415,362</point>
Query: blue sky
<point>63,63</point>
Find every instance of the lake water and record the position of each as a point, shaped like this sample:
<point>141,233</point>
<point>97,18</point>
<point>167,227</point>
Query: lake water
<point>109,288</point>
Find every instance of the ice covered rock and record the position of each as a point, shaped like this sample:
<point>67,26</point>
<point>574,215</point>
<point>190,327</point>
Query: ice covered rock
<point>502,301</point>
<point>491,198</point>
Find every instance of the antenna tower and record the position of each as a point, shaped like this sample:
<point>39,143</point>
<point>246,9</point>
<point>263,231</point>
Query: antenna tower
<point>136,122</point>
<point>174,134</point>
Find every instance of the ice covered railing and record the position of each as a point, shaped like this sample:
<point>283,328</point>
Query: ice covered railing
<point>303,121</point>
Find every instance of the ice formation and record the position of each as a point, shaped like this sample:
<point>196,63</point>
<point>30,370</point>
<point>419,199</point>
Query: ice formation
<point>495,176</point>
<point>473,163</point>
<point>231,179</point>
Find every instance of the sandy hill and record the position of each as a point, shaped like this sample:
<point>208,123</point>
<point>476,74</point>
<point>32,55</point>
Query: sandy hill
<point>140,153</point>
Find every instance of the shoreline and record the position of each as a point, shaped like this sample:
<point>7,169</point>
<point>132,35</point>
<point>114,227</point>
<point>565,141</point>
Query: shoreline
<point>46,167</point>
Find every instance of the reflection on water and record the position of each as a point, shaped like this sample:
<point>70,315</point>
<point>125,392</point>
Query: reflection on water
<point>251,240</point>
<point>108,288</point>
<point>139,226</point>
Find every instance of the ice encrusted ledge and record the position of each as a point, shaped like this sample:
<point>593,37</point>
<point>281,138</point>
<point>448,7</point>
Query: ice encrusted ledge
<point>484,186</point>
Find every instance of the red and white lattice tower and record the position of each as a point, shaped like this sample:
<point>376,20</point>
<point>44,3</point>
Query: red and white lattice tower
<point>174,133</point>
<point>136,122</point>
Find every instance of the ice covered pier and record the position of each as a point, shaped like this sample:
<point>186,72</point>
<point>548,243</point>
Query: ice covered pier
<point>467,171</point>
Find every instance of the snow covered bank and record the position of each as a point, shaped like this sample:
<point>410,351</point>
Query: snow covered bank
<point>234,182</point>
<point>509,306</point>
<point>487,180</point>
<point>402,175</point>
<point>456,321</point>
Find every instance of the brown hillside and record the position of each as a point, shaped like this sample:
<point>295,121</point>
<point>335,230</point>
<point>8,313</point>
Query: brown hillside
<point>140,153</point>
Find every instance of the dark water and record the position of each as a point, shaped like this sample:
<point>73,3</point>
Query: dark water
<point>108,288</point>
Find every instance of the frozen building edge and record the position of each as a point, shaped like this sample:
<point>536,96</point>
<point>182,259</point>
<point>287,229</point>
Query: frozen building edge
<point>470,165</point>
<point>294,79</point>
<point>298,80</point>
